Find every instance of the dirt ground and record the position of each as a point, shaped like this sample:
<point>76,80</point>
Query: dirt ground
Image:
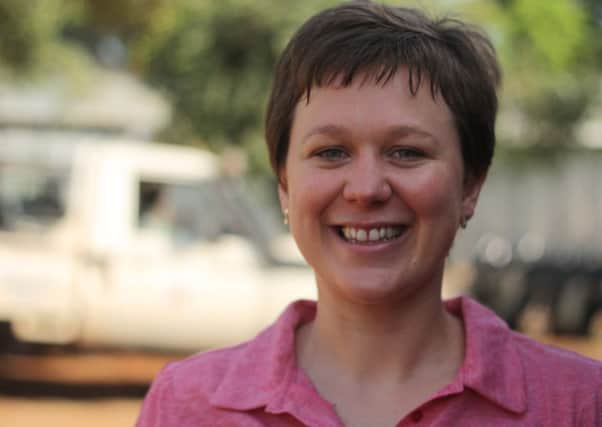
<point>68,413</point>
<point>48,411</point>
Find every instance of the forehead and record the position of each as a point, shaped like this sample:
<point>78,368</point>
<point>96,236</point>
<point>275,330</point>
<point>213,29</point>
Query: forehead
<point>367,105</point>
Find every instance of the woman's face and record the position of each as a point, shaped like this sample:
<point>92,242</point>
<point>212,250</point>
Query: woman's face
<point>375,188</point>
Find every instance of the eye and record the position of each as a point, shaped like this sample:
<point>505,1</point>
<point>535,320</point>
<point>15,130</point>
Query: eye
<point>332,154</point>
<point>404,153</point>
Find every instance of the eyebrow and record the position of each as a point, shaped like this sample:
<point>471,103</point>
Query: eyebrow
<point>393,132</point>
<point>332,130</point>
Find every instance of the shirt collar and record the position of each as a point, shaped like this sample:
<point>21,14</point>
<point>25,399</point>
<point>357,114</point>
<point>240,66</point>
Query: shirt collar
<point>261,374</point>
<point>492,365</point>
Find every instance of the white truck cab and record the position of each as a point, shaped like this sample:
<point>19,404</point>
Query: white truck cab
<point>110,243</point>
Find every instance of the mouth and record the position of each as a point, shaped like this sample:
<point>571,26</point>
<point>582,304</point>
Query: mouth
<point>366,235</point>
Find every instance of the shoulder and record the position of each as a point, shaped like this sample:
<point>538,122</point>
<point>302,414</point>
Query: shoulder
<point>560,383</point>
<point>180,395</point>
<point>558,366</point>
<point>522,374</point>
<point>202,372</point>
<point>213,386</point>
<point>494,342</point>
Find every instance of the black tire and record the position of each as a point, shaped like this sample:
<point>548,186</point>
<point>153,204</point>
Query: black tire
<point>7,340</point>
<point>512,295</point>
<point>573,307</point>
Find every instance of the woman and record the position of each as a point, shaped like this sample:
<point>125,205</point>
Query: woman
<point>380,128</point>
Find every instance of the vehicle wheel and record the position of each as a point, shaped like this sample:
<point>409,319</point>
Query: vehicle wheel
<point>595,325</point>
<point>511,297</point>
<point>571,309</point>
<point>535,320</point>
<point>7,339</point>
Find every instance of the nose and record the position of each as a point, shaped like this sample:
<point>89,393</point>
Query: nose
<point>366,182</point>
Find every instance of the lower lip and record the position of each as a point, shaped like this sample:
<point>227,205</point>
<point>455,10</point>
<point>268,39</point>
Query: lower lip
<point>370,246</point>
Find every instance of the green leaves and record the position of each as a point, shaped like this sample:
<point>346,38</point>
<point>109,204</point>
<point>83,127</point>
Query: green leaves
<point>214,58</point>
<point>216,63</point>
<point>554,31</point>
<point>551,68</point>
<point>26,27</point>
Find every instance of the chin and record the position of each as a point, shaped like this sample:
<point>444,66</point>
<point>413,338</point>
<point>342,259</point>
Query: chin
<point>367,290</point>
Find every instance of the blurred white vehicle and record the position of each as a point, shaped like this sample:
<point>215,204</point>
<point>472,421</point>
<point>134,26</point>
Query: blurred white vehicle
<point>108,243</point>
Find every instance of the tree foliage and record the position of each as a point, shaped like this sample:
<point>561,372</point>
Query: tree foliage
<point>216,63</point>
<point>214,58</point>
<point>551,66</point>
<point>28,32</point>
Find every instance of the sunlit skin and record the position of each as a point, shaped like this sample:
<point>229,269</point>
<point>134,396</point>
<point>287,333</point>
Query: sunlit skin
<point>367,156</point>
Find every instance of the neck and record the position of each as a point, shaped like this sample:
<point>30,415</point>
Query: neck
<point>375,343</point>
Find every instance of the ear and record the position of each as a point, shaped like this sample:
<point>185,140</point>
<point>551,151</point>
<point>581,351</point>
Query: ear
<point>283,191</point>
<point>472,189</point>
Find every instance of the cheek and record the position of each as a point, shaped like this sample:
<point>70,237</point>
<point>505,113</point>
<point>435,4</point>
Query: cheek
<point>436,194</point>
<point>310,192</point>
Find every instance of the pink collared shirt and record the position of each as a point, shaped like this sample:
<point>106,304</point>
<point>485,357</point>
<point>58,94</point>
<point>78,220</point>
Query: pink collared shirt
<point>506,379</point>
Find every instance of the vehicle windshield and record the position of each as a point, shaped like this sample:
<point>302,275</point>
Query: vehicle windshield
<point>30,196</point>
<point>188,212</point>
<point>182,212</point>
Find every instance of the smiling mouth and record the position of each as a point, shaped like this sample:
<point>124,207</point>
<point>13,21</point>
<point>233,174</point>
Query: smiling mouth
<point>370,235</point>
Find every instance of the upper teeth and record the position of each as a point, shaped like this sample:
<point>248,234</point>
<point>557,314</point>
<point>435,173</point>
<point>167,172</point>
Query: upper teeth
<point>370,234</point>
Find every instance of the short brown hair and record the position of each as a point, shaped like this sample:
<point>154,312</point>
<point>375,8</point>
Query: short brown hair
<point>374,40</point>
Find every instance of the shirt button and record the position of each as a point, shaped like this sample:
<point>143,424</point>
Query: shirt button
<point>416,416</point>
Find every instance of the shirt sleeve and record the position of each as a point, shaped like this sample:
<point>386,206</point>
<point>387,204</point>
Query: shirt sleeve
<point>157,408</point>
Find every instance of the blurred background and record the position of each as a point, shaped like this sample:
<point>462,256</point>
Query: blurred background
<point>118,253</point>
